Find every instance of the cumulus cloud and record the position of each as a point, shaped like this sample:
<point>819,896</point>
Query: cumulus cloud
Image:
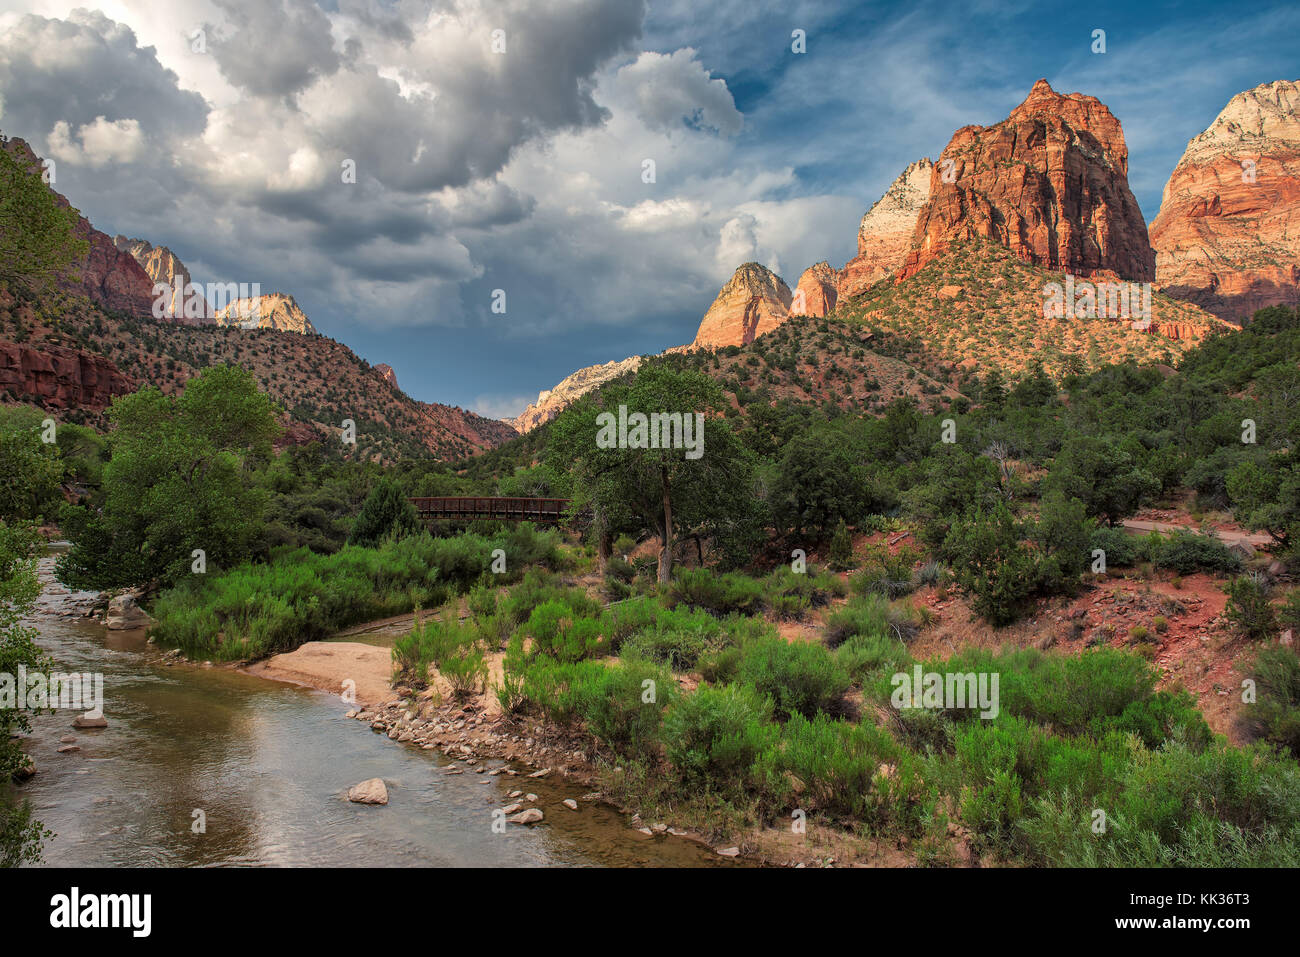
<point>101,142</point>
<point>668,90</point>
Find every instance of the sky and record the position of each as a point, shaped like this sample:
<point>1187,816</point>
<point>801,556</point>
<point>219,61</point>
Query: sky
<point>500,147</point>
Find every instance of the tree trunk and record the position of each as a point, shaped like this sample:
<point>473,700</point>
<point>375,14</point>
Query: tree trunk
<point>666,552</point>
<point>603,544</point>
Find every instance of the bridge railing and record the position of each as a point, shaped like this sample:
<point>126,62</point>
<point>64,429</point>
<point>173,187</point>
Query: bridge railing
<point>490,507</point>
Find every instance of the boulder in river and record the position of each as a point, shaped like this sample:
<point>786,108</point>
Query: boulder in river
<point>369,792</point>
<point>125,613</point>
<point>91,719</point>
<point>530,816</point>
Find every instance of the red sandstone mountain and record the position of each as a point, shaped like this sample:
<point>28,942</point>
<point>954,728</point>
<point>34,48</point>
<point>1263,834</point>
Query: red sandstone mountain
<point>885,235</point>
<point>1050,182</point>
<point>108,275</point>
<point>815,294</point>
<point>755,300</point>
<point>1228,233</point>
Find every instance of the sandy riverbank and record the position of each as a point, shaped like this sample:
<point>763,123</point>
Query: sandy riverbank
<point>330,666</point>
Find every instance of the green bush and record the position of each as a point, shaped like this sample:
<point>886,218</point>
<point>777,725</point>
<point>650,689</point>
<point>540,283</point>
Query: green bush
<point>1248,607</point>
<point>1187,552</point>
<point>720,594</point>
<point>1275,713</point>
<point>714,736</point>
<point>626,713</point>
<point>800,678</point>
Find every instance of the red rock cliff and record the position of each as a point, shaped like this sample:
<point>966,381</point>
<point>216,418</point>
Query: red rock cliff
<point>1050,182</point>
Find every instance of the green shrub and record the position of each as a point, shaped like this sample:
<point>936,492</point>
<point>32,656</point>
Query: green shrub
<point>1120,547</point>
<point>720,594</point>
<point>714,736</point>
<point>624,709</point>
<point>800,678</point>
<point>1248,607</point>
<point>1187,552</point>
<point>1275,713</point>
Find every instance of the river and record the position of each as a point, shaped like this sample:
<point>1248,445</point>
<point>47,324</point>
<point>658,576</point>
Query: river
<point>268,765</point>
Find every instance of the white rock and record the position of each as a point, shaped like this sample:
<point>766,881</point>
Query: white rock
<point>369,792</point>
<point>530,816</point>
<point>571,804</point>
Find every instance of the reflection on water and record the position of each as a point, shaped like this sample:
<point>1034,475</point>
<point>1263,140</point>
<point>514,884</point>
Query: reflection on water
<point>268,764</point>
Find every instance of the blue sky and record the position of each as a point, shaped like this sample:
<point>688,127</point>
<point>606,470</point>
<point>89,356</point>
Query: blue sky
<point>521,170</point>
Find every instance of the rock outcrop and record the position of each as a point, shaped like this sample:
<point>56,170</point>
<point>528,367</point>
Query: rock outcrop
<point>107,275</point>
<point>56,377</point>
<point>163,266</point>
<point>277,310</point>
<point>885,235</point>
<point>755,300</point>
<point>1228,233</point>
<point>815,294</point>
<point>386,371</point>
<point>1050,182</point>
<point>552,402</point>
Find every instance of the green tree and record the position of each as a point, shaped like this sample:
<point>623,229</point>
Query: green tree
<point>673,491</point>
<point>30,471</point>
<point>991,562</point>
<point>180,479</point>
<point>37,242</point>
<point>385,513</point>
<point>20,836</point>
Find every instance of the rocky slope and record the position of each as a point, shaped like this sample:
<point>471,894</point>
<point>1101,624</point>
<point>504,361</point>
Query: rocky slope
<point>552,402</point>
<point>755,300</point>
<point>1050,182</point>
<point>815,294</point>
<point>885,235</point>
<point>1228,233</point>
<point>277,310</point>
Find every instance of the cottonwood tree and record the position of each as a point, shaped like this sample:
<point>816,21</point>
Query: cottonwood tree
<point>660,488</point>
<point>179,479</point>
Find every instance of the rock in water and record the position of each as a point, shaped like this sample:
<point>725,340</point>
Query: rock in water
<point>1228,233</point>
<point>530,816</point>
<point>125,613</point>
<point>1050,183</point>
<point>369,792</point>
<point>90,719</point>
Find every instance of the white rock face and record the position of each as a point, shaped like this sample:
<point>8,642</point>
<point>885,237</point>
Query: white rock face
<point>277,310</point>
<point>896,211</point>
<point>551,402</point>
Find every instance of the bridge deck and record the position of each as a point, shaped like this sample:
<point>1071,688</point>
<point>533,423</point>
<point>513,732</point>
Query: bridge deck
<point>491,507</point>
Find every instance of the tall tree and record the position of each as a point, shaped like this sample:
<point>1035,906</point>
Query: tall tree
<point>703,487</point>
<point>37,242</point>
<point>179,480</point>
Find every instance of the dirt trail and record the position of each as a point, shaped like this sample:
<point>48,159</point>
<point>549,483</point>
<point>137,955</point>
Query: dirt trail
<point>1226,535</point>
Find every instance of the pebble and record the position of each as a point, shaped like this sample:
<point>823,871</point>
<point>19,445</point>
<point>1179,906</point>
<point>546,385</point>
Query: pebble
<point>571,804</point>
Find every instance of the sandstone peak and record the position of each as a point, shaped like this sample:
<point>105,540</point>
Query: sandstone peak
<point>550,402</point>
<point>1227,236</point>
<point>164,266</point>
<point>754,300</point>
<point>277,310</point>
<point>1050,182</point>
<point>386,371</point>
<point>815,293</point>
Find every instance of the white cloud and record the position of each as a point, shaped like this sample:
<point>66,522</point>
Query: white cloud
<point>101,142</point>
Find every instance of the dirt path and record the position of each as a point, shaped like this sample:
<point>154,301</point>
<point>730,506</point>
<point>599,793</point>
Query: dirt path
<point>1227,536</point>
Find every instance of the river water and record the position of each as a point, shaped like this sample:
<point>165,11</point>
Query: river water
<point>268,765</point>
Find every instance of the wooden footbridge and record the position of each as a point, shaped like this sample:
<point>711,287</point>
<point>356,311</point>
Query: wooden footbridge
<point>492,508</point>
